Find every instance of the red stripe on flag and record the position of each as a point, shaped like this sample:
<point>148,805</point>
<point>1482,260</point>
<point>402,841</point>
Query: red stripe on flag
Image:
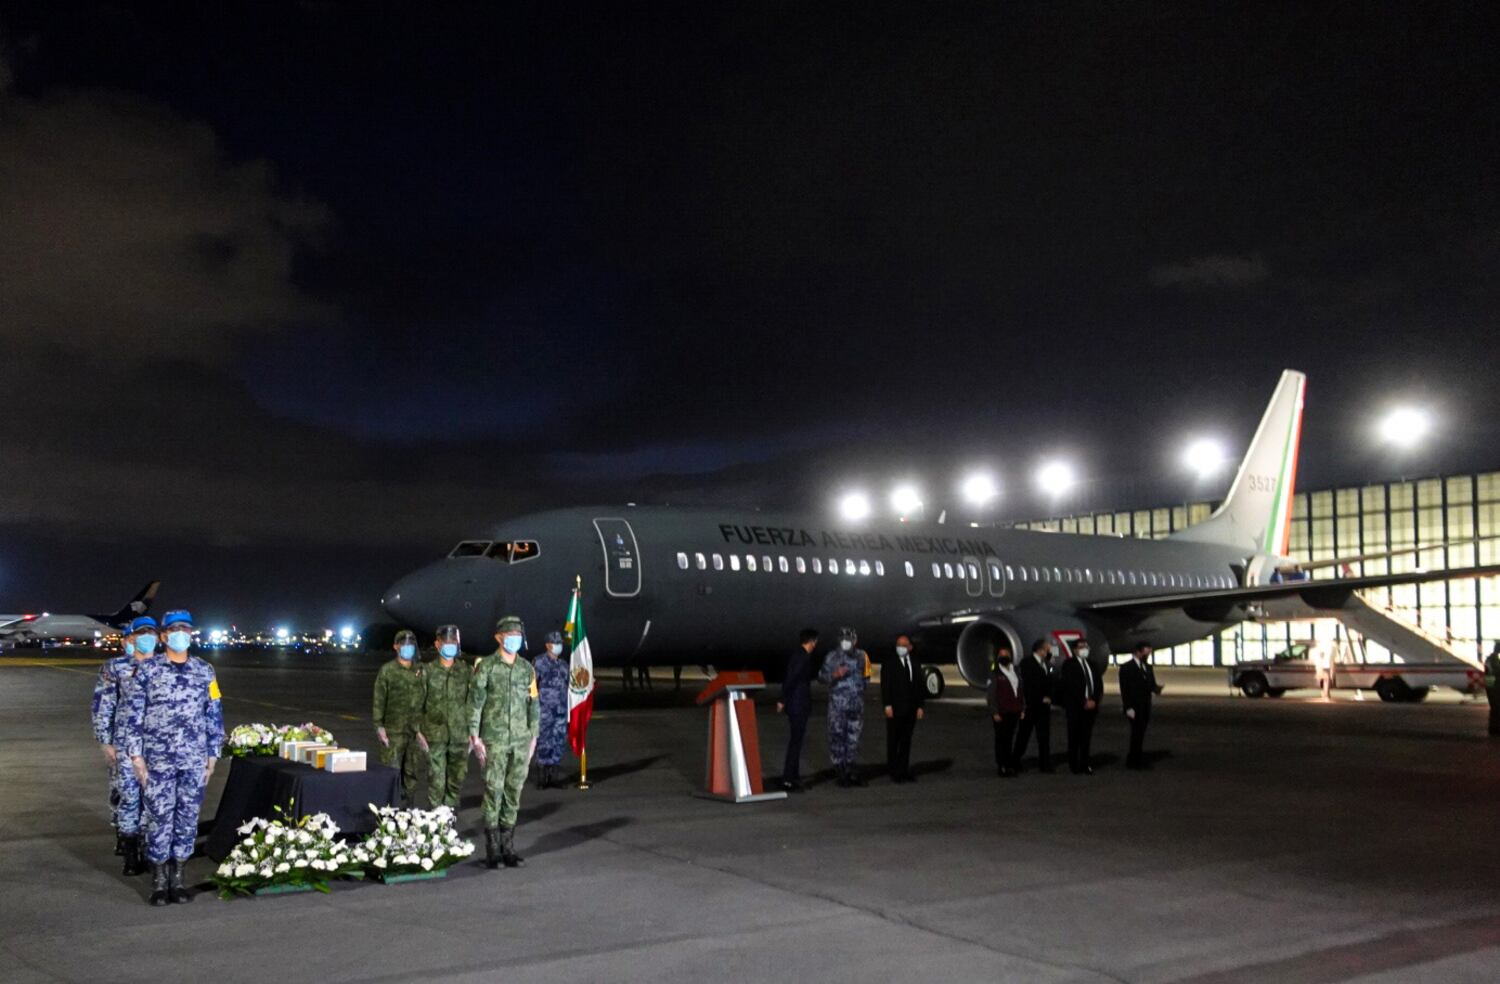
<point>578,723</point>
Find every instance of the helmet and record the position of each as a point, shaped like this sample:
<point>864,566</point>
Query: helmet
<point>554,636</point>
<point>510,623</point>
<point>140,622</point>
<point>447,633</point>
<point>179,617</point>
<point>847,633</point>
<point>405,636</point>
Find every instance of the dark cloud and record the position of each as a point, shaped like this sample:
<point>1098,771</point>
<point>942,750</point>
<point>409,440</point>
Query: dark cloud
<point>129,235</point>
<point>1212,271</point>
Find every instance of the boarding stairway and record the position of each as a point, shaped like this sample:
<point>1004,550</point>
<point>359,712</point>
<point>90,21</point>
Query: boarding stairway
<point>1411,642</point>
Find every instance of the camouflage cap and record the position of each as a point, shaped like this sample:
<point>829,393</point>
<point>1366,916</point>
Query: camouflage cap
<point>510,623</point>
<point>406,635</point>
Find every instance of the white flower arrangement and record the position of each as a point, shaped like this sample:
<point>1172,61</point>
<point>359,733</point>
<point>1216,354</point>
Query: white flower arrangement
<point>409,842</point>
<point>274,852</point>
<point>266,739</point>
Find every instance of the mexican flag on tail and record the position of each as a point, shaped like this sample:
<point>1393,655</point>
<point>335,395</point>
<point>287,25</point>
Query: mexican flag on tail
<point>580,677</point>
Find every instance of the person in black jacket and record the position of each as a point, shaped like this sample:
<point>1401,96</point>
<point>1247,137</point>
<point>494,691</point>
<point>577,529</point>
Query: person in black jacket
<point>1137,686</point>
<point>796,701</point>
<point>1037,685</point>
<point>1078,690</point>
<point>902,692</point>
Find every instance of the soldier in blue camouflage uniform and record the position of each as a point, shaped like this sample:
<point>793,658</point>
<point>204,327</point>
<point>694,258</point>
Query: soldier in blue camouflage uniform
<point>552,695</point>
<point>844,673</point>
<point>111,711</point>
<point>444,720</point>
<point>173,738</point>
<point>502,729</point>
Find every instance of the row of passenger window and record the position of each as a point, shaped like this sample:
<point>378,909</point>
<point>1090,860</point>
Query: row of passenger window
<point>964,570</point>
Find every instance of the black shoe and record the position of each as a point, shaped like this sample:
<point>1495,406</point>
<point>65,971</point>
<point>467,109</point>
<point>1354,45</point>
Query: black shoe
<point>792,785</point>
<point>508,848</point>
<point>855,779</point>
<point>1049,769</point>
<point>910,777</point>
<point>159,894</point>
<point>135,858</point>
<point>176,891</point>
<point>492,847</point>
<point>119,845</point>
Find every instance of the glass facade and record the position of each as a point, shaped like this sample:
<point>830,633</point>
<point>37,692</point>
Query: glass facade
<point>1425,513</point>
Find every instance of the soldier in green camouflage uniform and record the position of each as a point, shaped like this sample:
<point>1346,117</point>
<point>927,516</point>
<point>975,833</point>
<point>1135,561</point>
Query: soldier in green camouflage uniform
<point>397,710</point>
<point>444,729</point>
<point>502,728</point>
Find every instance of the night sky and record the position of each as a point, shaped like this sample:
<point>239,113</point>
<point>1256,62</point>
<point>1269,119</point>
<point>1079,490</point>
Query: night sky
<point>295,296</point>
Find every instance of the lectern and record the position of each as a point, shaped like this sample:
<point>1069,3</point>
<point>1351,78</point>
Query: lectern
<point>733,772</point>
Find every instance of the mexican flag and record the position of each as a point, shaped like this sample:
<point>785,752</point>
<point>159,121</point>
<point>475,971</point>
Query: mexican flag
<point>580,676</point>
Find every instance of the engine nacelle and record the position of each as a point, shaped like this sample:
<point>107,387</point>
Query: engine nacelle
<point>1019,629</point>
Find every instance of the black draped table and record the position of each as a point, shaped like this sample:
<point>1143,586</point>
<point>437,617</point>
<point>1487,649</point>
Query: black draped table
<point>258,784</point>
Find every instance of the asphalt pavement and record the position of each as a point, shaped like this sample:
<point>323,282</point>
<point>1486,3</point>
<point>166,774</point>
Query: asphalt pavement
<point>1290,840</point>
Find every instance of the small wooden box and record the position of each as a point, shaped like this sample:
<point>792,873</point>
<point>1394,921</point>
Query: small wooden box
<point>344,760</point>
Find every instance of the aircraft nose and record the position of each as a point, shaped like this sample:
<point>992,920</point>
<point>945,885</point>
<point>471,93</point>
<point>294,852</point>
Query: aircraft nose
<point>405,600</point>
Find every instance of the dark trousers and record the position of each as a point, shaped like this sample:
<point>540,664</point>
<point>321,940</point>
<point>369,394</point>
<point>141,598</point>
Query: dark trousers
<point>791,770</point>
<point>898,731</point>
<point>1080,736</point>
<point>1007,754</point>
<point>1494,698</point>
<point>1038,719</point>
<point>1142,718</point>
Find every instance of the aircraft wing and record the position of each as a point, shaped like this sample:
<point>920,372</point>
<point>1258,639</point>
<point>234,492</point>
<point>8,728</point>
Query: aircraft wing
<point>1215,605</point>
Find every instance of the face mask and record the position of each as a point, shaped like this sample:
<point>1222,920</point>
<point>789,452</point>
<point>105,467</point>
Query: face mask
<point>902,650</point>
<point>846,645</point>
<point>408,651</point>
<point>554,649</point>
<point>129,648</point>
<point>449,650</point>
<point>179,641</point>
<point>145,645</point>
<point>1083,652</point>
<point>512,643</point>
<point>1006,659</point>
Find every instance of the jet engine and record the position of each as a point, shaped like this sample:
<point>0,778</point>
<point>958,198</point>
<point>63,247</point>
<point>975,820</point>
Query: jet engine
<point>1019,629</point>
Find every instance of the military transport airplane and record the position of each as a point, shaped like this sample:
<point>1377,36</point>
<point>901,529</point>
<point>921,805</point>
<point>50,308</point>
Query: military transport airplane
<point>23,629</point>
<point>698,586</point>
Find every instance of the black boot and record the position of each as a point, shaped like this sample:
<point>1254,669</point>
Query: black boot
<point>120,846</point>
<point>159,885</point>
<point>492,847</point>
<point>855,779</point>
<point>135,857</point>
<point>543,776</point>
<point>178,893</point>
<point>508,848</point>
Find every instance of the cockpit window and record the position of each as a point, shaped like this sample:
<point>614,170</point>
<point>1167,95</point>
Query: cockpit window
<point>513,551</point>
<point>470,548</point>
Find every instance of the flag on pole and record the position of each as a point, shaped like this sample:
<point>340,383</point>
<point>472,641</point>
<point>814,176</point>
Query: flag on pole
<point>580,674</point>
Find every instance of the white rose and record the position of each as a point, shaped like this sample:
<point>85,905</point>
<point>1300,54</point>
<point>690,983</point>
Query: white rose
<point>380,862</point>
<point>283,868</point>
<point>244,870</point>
<point>426,864</point>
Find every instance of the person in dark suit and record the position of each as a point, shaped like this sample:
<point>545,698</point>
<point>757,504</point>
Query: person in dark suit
<point>903,690</point>
<point>1137,686</point>
<point>1492,687</point>
<point>1078,689</point>
<point>1007,700</point>
<point>796,702</point>
<point>1036,686</point>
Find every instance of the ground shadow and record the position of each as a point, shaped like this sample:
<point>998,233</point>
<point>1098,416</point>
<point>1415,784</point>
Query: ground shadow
<point>561,840</point>
<point>605,773</point>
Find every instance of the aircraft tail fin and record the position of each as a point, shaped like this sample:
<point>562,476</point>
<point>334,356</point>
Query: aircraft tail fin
<point>139,605</point>
<point>1257,513</point>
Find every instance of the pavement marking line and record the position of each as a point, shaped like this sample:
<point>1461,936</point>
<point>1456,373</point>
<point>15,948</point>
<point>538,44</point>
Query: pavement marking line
<point>55,663</point>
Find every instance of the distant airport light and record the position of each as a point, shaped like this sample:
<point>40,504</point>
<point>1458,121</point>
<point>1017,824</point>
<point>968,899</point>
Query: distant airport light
<point>283,633</point>
<point>906,501</point>
<point>1055,477</point>
<point>346,633</point>
<point>1204,458</point>
<point>855,506</point>
<point>979,490</point>
<point>1405,427</point>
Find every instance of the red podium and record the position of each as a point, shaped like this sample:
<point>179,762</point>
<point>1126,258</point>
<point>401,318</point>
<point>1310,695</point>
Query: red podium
<point>733,772</point>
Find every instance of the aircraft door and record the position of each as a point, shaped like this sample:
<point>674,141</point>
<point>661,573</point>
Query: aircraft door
<point>973,576</point>
<point>622,558</point>
<point>995,572</point>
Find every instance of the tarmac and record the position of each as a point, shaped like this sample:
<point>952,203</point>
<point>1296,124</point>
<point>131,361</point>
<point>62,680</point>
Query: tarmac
<point>1291,840</point>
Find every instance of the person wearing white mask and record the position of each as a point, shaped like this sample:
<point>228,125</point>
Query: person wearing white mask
<point>1079,687</point>
<point>902,693</point>
<point>844,673</point>
<point>552,674</point>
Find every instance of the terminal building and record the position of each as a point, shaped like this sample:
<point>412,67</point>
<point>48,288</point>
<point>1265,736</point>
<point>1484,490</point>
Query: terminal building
<point>1456,518</point>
